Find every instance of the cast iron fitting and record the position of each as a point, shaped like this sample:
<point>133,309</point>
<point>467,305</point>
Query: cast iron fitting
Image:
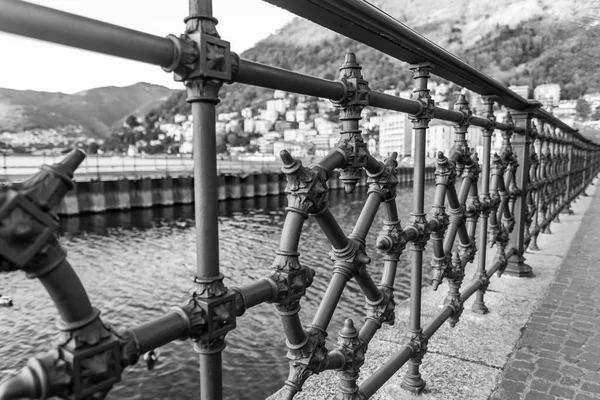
<point>352,257</point>
<point>306,187</point>
<point>488,101</point>
<point>485,204</point>
<point>418,344</point>
<point>86,364</point>
<point>185,56</point>
<point>48,187</point>
<point>392,240</point>
<point>509,223</point>
<point>457,310</point>
<point>356,89</point>
<point>445,171</point>
<point>439,220</point>
<point>473,207</point>
<point>306,359</point>
<point>462,106</point>
<point>385,181</point>
<point>202,54</point>
<point>420,232</point>
<point>354,150</point>
<point>212,312</point>
<point>483,279</point>
<point>468,251</point>
<point>289,280</point>
<point>457,216</point>
<point>382,311</point>
<point>351,347</point>
<point>440,267</point>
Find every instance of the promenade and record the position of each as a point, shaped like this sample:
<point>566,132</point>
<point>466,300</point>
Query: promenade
<point>541,339</point>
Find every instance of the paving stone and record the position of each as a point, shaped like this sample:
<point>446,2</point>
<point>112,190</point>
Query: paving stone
<point>562,392</point>
<point>533,395</point>
<point>540,385</point>
<point>568,381</point>
<point>572,371</point>
<point>589,365</point>
<point>548,363</point>
<point>590,387</point>
<point>529,366</point>
<point>582,396</point>
<point>516,375</point>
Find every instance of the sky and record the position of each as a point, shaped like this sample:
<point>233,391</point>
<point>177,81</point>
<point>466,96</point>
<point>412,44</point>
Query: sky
<point>42,66</point>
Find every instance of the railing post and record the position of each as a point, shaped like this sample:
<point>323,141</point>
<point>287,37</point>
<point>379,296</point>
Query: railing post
<point>211,304</point>
<point>520,144</point>
<point>412,380</point>
<point>5,168</point>
<point>569,191</point>
<point>479,306</point>
<point>585,173</point>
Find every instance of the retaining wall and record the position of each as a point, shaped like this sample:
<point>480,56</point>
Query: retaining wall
<point>121,194</point>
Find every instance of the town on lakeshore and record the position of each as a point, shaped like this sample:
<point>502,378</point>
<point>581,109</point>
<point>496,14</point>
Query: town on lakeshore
<point>306,126</point>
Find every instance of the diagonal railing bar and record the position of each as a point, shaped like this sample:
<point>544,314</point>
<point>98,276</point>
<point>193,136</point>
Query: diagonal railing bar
<point>508,200</point>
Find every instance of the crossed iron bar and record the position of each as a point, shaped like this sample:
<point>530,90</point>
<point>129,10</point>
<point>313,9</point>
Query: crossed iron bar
<point>90,355</point>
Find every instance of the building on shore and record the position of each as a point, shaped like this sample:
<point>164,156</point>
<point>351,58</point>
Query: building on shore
<point>395,134</point>
<point>548,94</point>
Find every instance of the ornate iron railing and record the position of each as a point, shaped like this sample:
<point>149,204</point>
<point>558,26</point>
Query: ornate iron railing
<point>509,197</point>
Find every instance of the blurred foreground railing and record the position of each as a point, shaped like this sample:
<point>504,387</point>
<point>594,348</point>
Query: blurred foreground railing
<point>505,199</point>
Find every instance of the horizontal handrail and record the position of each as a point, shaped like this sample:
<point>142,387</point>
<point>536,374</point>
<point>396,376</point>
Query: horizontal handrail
<point>43,23</point>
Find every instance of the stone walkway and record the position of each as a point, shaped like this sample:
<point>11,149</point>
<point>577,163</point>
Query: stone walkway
<point>558,355</point>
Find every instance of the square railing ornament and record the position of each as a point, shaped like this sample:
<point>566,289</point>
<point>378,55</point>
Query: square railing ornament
<point>24,228</point>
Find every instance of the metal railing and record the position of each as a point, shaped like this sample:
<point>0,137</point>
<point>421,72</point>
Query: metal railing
<point>508,198</point>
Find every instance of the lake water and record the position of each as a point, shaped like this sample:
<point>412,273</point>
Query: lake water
<point>135,265</point>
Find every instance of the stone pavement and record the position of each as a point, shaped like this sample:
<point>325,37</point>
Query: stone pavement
<point>558,356</point>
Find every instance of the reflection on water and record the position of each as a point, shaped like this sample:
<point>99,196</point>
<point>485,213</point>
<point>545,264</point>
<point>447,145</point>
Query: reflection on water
<point>135,265</point>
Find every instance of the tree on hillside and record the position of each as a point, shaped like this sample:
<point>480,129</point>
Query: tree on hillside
<point>582,108</point>
<point>132,121</point>
<point>596,115</point>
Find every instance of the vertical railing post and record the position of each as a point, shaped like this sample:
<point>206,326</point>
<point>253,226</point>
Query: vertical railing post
<point>4,166</point>
<point>479,306</point>
<point>412,380</point>
<point>97,166</point>
<point>211,302</point>
<point>585,172</point>
<point>539,184</point>
<point>569,191</point>
<point>520,144</point>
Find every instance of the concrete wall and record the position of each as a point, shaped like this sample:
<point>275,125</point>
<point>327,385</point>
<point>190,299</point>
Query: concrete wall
<point>103,195</point>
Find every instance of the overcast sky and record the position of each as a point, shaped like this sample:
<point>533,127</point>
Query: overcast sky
<point>42,66</point>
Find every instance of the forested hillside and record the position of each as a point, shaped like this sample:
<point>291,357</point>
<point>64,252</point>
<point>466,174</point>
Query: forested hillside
<point>516,42</point>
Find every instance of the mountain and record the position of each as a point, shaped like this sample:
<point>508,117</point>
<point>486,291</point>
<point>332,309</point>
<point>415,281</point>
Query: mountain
<point>96,110</point>
<point>515,41</point>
